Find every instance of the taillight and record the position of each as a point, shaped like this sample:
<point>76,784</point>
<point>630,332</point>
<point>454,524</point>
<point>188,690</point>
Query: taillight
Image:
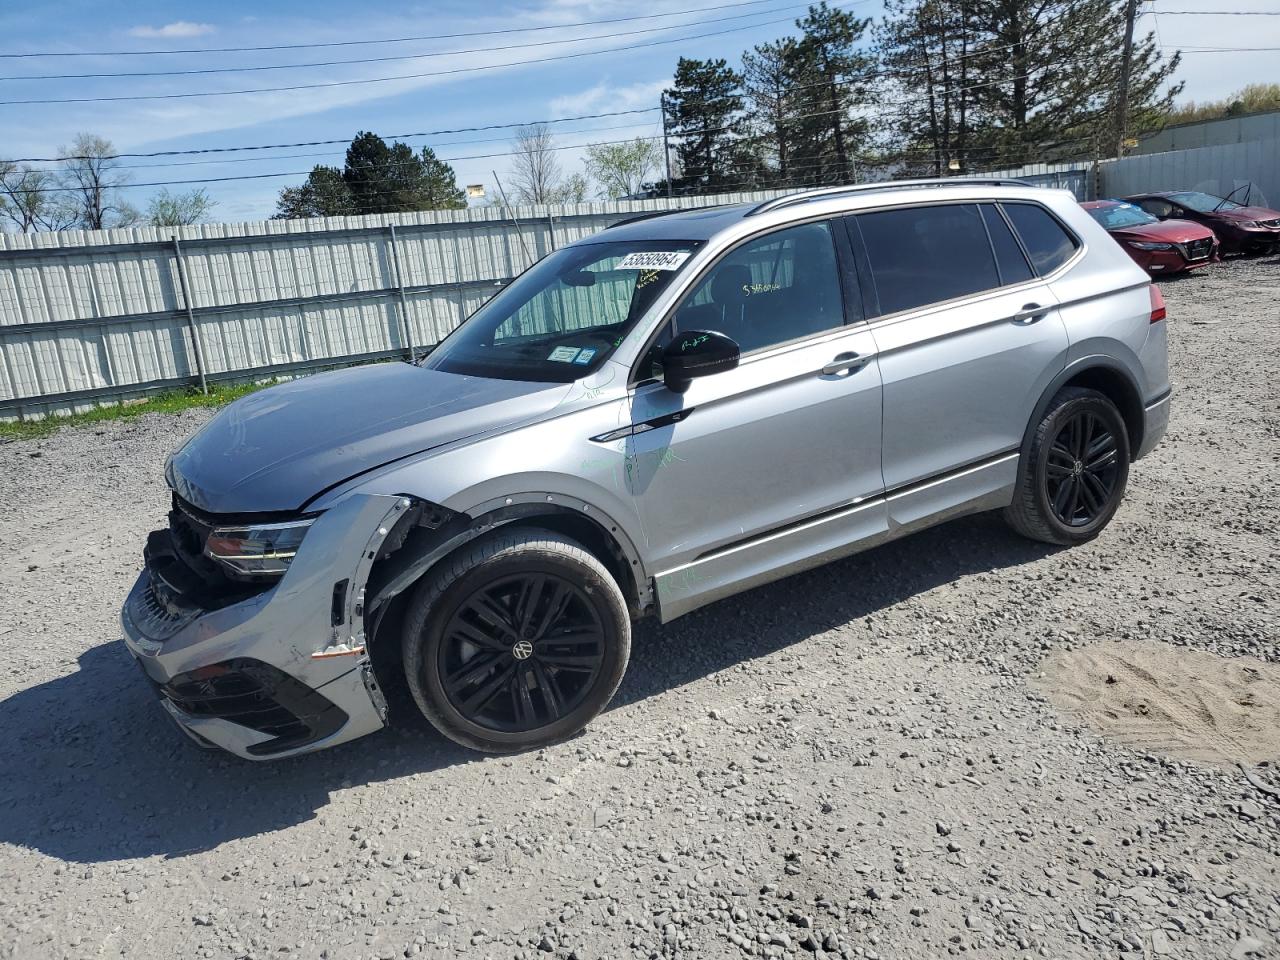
<point>1158,312</point>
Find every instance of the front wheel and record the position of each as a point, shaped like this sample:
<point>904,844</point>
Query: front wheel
<point>1074,476</point>
<point>518,640</point>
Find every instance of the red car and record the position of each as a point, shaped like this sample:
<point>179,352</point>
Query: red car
<point>1242,229</point>
<point>1158,246</point>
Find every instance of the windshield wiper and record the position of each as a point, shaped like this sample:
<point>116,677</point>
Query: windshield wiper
<point>1227,198</point>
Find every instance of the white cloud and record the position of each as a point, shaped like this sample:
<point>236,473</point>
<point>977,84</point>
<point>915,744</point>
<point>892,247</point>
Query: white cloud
<point>605,97</point>
<point>179,28</point>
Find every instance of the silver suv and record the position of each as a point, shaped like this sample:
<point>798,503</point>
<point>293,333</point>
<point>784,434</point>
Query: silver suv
<point>674,410</point>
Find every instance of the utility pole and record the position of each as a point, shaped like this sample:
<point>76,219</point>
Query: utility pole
<point>666,150</point>
<point>1126,61</point>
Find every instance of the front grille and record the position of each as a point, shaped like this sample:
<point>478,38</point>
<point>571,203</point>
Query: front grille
<point>155,619</point>
<point>1198,249</point>
<point>259,696</point>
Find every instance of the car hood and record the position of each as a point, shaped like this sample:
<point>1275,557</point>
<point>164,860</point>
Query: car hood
<point>1166,231</point>
<point>1248,213</point>
<point>276,449</point>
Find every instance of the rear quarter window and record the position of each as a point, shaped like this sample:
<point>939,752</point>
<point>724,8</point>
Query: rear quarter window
<point>1046,241</point>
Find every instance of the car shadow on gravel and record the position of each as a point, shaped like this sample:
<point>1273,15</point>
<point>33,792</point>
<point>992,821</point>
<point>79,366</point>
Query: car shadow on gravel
<point>94,772</point>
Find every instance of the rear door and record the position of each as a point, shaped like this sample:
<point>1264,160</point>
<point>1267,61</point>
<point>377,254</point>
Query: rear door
<point>968,338</point>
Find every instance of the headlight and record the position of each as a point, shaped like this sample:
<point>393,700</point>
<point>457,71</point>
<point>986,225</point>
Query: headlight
<point>1145,245</point>
<point>1249,224</point>
<point>263,549</point>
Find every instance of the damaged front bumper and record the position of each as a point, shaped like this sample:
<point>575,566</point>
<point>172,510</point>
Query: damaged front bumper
<point>285,671</point>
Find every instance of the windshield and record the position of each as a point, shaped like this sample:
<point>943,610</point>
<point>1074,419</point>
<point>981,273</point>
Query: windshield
<point>1120,215</point>
<point>1203,202</point>
<point>560,319</point>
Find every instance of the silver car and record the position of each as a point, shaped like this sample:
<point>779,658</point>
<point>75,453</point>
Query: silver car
<point>679,408</point>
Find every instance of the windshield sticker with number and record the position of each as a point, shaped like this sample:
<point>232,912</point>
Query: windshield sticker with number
<point>584,355</point>
<point>657,260</point>
<point>564,354</point>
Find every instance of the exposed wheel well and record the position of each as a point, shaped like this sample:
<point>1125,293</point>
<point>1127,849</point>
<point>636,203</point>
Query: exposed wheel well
<point>411,547</point>
<point>1117,388</point>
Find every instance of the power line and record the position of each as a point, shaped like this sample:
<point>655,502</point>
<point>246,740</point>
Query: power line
<point>1213,13</point>
<point>323,143</point>
<point>986,51</point>
<point>406,76</point>
<point>406,56</point>
<point>485,156</point>
<point>356,43</point>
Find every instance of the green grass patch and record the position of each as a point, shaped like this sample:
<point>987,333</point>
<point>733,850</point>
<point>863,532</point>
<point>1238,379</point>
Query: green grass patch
<point>173,401</point>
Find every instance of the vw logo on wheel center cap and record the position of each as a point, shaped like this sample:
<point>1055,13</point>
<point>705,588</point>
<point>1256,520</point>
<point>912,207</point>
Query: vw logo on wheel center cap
<point>522,650</point>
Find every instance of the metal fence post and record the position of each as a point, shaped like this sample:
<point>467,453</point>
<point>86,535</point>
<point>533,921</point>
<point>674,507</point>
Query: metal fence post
<point>404,306</point>
<point>191,313</point>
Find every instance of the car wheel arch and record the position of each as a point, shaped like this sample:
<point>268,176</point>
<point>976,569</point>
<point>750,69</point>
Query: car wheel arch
<point>1108,377</point>
<point>428,534</point>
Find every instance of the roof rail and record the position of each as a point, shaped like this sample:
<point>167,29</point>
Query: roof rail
<point>823,193</point>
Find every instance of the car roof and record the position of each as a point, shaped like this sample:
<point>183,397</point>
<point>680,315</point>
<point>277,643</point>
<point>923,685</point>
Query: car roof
<point>699,224</point>
<point>705,223</point>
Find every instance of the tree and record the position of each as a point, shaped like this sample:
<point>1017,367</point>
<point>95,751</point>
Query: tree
<point>926,47</point>
<point>573,189</point>
<point>438,185</point>
<point>324,194</point>
<point>30,199</point>
<point>704,115</point>
<point>90,172</point>
<point>768,73</point>
<point>1253,98</point>
<point>535,174</point>
<point>1045,74</point>
<point>376,178</point>
<point>179,209</point>
<point>621,169</point>
<point>830,80</point>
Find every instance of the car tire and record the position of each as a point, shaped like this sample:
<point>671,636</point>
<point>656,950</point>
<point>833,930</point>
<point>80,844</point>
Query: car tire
<point>1072,478</point>
<point>516,641</point>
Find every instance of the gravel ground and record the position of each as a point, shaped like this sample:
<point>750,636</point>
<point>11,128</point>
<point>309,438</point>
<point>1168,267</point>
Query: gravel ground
<point>860,761</point>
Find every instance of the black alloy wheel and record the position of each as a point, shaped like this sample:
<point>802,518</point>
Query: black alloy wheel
<point>521,652</point>
<point>1083,465</point>
<point>516,640</point>
<point>1072,470</point>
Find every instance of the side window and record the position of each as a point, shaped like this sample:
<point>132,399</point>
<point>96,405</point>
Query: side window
<point>1049,245</point>
<point>1009,257</point>
<point>772,289</point>
<point>1157,208</point>
<point>922,255</point>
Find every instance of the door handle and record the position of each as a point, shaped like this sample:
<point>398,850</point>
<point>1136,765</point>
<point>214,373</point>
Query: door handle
<point>1029,314</point>
<point>845,361</point>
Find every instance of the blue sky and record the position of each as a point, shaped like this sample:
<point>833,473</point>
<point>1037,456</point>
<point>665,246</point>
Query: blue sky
<point>615,79</point>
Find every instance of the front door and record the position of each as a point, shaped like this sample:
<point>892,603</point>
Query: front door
<point>740,476</point>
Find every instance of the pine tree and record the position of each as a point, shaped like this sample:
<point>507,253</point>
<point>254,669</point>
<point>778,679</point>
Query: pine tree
<point>926,48</point>
<point>767,78</point>
<point>703,115</point>
<point>1046,73</point>
<point>829,82</point>
<point>375,179</point>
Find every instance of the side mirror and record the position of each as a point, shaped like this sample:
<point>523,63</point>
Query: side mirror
<point>697,353</point>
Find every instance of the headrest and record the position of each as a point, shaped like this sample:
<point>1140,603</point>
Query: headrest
<point>732,284</point>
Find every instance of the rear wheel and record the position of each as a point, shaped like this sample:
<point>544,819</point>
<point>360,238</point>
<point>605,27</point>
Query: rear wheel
<point>517,641</point>
<point>1074,476</point>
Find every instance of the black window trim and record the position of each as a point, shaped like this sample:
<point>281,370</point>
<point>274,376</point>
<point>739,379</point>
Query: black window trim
<point>843,256</point>
<point>1075,237</point>
<point>872,297</point>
